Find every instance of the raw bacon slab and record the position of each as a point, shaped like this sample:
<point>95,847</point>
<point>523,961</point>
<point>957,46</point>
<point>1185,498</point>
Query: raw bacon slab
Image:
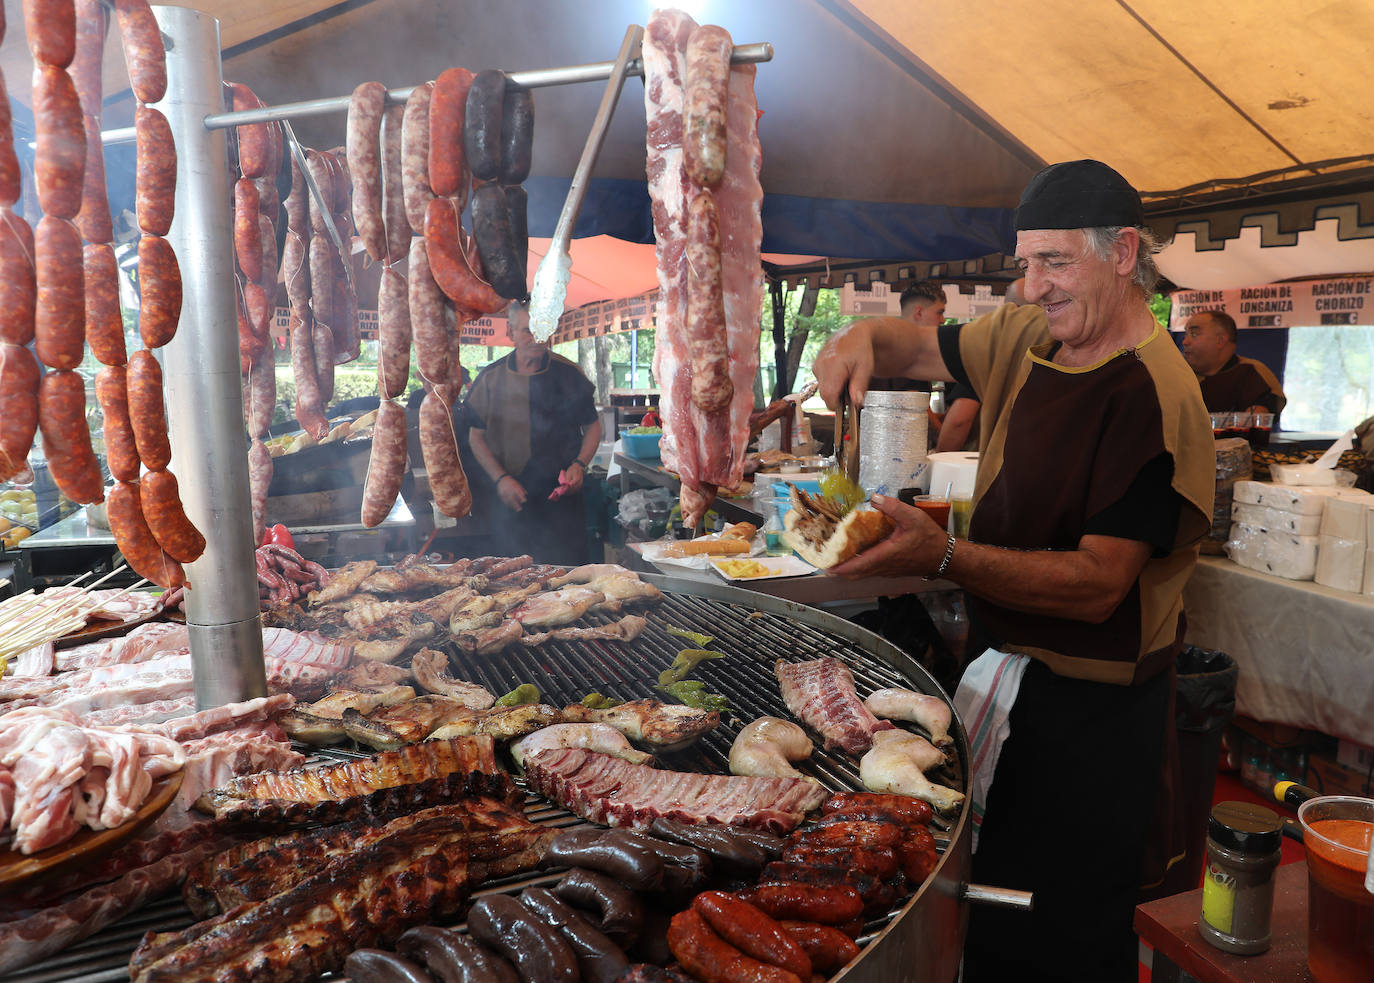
<point>612,791</point>
<point>821,694</point>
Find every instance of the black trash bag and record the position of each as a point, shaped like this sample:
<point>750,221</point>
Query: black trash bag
<point>1206,690</point>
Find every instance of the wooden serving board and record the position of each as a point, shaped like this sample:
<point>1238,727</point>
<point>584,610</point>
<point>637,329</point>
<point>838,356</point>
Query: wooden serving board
<point>87,846</point>
<point>100,628</point>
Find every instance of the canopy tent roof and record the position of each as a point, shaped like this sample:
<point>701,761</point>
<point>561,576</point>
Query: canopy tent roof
<point>894,130</point>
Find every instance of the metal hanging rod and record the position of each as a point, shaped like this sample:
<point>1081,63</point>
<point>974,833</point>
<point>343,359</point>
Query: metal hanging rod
<point>744,54</point>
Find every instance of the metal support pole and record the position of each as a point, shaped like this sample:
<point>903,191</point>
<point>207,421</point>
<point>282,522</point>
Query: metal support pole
<point>201,374</point>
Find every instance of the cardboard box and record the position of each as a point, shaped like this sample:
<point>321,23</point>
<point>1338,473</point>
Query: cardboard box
<point>1329,777</point>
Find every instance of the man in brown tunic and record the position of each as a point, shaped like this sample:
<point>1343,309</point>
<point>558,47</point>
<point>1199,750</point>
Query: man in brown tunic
<point>1093,491</point>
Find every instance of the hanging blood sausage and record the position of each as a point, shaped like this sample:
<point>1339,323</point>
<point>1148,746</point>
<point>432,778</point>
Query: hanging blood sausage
<point>482,124</point>
<point>67,438</point>
<point>496,242</point>
<point>517,133</point>
<point>59,320</point>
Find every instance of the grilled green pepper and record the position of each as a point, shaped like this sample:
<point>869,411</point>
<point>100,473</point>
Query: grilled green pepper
<point>522,695</point>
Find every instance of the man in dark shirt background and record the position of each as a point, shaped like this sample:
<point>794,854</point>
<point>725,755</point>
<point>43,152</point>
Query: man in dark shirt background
<point>923,303</point>
<point>1229,383</point>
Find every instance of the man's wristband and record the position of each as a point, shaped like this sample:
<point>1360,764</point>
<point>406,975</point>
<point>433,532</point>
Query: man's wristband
<point>944,563</point>
<point>500,477</point>
<point>578,462</point>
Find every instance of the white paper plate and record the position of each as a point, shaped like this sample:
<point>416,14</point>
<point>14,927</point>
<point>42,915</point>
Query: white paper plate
<point>778,566</point>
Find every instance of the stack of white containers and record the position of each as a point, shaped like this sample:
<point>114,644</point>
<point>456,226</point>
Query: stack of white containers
<point>1294,532</point>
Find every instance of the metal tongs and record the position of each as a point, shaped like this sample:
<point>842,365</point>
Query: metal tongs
<point>847,437</point>
<point>551,279</point>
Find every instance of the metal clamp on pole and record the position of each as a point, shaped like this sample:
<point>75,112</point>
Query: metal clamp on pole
<point>999,897</point>
<point>201,375</point>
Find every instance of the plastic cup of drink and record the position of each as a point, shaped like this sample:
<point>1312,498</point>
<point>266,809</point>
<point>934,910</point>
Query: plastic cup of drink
<point>1261,426</point>
<point>1340,922</point>
<point>935,506</point>
<point>1220,423</point>
<point>961,511</point>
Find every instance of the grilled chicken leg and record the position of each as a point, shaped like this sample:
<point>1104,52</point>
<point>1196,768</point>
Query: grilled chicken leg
<point>765,747</point>
<point>896,764</point>
<point>929,712</point>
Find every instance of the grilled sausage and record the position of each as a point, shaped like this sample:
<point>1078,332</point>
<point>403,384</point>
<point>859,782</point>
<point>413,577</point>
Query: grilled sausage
<point>159,285</point>
<point>59,320</point>
<point>379,966</point>
<point>18,290</point>
<point>808,903</point>
<point>707,336</point>
<point>259,481</point>
<point>363,143</point>
<point>393,335</point>
<point>599,959</point>
<point>496,242</point>
<point>538,951</point>
<point>93,220</point>
<point>448,262</point>
<point>620,909</point>
<point>448,168</point>
<point>872,814</point>
<point>877,895</point>
<point>51,29</point>
<point>918,855</point>
<point>247,229</point>
<point>706,92</point>
<point>903,806</point>
<point>429,311</point>
<point>858,833</point>
<point>769,843</point>
<point>67,438</point>
<point>393,186</point>
<point>415,156</point>
<point>19,377</point>
<point>121,452</point>
<point>104,321</point>
<point>162,510</point>
<point>146,412</point>
<point>631,862</point>
<point>880,862</point>
<point>156,176</point>
<point>707,956</point>
<point>752,932</point>
<point>135,540</point>
<point>719,842</point>
<point>454,958</point>
<point>693,864</point>
<point>827,947</point>
<point>387,465</point>
<point>59,161</point>
<point>482,124</point>
<point>517,133</point>
<point>143,51</point>
<point>439,444</point>
<point>9,161</point>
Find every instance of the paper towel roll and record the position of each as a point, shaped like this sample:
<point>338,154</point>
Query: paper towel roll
<point>956,469</point>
